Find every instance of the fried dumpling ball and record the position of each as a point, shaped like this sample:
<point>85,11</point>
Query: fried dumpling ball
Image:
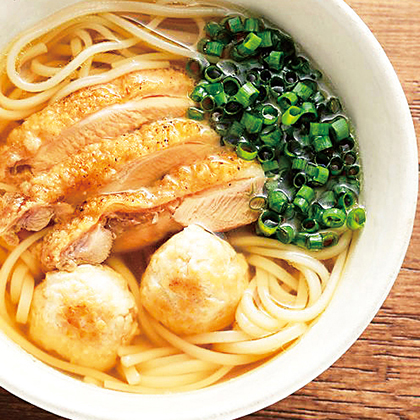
<point>194,282</point>
<point>84,315</point>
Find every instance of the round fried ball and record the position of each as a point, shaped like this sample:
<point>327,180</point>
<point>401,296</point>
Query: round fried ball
<point>84,315</point>
<point>194,282</point>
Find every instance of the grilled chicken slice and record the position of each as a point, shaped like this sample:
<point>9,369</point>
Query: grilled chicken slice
<point>92,114</point>
<point>129,162</point>
<point>140,218</point>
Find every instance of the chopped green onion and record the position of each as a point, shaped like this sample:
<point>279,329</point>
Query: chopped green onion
<point>303,91</point>
<point>287,100</point>
<point>231,85</point>
<point>266,39</point>
<point>213,74</point>
<point>271,135</point>
<point>252,123</point>
<point>258,202</point>
<point>265,153</point>
<point>234,24</point>
<point>310,225</point>
<point>198,94</point>
<point>347,200</point>
<point>268,223</point>
<point>246,151</point>
<point>301,204</point>
<point>247,94</point>
<point>214,48</point>
<point>306,192</point>
<point>321,143</point>
<point>340,128</point>
<point>352,170</point>
<point>319,129</point>
<point>277,200</point>
<point>333,217</point>
<point>322,175</point>
<point>252,25</point>
<point>265,76</point>
<point>336,166</point>
<point>299,164</point>
<point>254,77</point>
<point>233,107</point>
<point>314,242</point>
<point>208,103</point>
<point>213,88</point>
<point>275,60</point>
<point>270,166</point>
<point>220,99</point>
<point>315,212</point>
<point>334,105</point>
<point>195,113</point>
<point>212,29</point>
<point>249,44</point>
<point>329,239</point>
<point>202,45</point>
<point>356,218</point>
<point>236,128</point>
<point>286,233</point>
<point>309,111</point>
<point>270,114</point>
<point>195,66</point>
<point>291,115</point>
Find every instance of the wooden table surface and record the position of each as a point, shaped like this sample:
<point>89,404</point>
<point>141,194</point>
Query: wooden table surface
<point>379,377</point>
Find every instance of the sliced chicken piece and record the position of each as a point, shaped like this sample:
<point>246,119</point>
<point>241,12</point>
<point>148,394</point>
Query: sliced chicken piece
<point>128,162</point>
<point>148,215</point>
<point>93,113</point>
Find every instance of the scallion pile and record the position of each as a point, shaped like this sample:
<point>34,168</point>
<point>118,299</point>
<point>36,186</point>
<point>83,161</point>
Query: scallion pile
<point>268,103</point>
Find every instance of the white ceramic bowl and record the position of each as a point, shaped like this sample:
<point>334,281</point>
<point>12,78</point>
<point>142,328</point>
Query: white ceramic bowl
<point>349,54</point>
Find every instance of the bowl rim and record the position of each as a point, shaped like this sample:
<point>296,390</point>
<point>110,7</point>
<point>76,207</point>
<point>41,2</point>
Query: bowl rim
<point>261,398</point>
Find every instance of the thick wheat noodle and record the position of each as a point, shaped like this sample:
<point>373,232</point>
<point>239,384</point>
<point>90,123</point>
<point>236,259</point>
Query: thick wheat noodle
<point>256,316</point>
<point>293,257</point>
<point>313,282</point>
<point>135,359</point>
<point>16,281</point>
<point>285,298</point>
<point>165,361</point>
<point>108,76</point>
<point>274,269</point>
<point>264,345</point>
<point>248,327</point>
<point>25,299</point>
<point>217,337</point>
<point>131,375</point>
<point>302,292</point>
<point>132,349</point>
<point>143,57</point>
<point>178,368</point>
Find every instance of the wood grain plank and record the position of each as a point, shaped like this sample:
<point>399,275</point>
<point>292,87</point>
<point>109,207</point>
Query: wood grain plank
<point>379,377</point>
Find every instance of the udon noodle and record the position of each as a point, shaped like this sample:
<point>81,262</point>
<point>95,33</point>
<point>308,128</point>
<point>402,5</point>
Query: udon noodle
<point>275,310</point>
<point>92,43</point>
